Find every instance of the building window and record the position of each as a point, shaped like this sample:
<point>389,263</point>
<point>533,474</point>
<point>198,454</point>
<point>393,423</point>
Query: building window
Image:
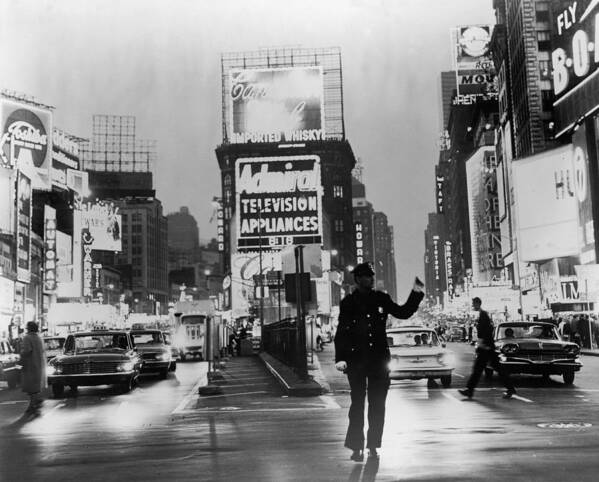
<point>545,69</point>
<point>136,217</point>
<point>337,191</point>
<point>543,35</point>
<point>339,225</point>
<point>227,181</point>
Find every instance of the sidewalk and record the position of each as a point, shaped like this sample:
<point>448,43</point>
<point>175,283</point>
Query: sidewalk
<point>587,351</point>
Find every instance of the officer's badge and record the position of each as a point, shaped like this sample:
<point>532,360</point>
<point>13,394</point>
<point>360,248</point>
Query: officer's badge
<point>381,309</point>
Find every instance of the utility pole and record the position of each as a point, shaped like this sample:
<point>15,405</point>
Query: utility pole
<point>261,280</point>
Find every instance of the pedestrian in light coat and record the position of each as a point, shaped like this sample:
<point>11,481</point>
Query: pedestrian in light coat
<point>33,361</point>
<point>362,352</point>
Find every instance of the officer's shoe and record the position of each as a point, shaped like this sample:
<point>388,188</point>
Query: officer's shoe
<point>509,393</point>
<point>373,454</point>
<point>467,392</point>
<point>357,456</point>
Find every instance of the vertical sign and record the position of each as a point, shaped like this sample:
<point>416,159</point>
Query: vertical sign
<point>436,256</point>
<point>583,194</point>
<point>220,228</point>
<point>439,186</point>
<point>86,243</point>
<point>49,248</point>
<point>23,228</point>
<point>449,268</point>
<point>359,243</point>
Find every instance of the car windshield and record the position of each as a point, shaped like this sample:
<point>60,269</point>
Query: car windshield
<point>546,332</point>
<point>413,338</point>
<point>148,338</point>
<point>107,342</point>
<point>54,343</point>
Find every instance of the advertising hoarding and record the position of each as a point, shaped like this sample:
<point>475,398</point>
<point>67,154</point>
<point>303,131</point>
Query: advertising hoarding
<point>575,28</point>
<point>64,258</point>
<point>87,246</point>
<point>104,225</point>
<point>7,200</point>
<point>244,266</point>
<point>276,105</point>
<point>583,195</point>
<point>23,227</point>
<point>471,47</point>
<point>278,202</point>
<point>25,135</point>
<point>546,205</point>
<point>65,156</point>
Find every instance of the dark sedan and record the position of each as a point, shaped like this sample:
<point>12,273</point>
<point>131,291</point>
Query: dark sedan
<point>10,370</point>
<point>535,348</point>
<point>155,354</point>
<point>103,357</point>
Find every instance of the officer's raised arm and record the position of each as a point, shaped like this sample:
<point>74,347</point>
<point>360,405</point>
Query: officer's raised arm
<point>410,306</point>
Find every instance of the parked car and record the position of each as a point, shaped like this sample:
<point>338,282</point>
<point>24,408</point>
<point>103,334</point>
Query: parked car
<point>53,345</point>
<point>456,333</point>
<point>417,352</point>
<point>10,370</point>
<point>101,357</point>
<point>535,348</point>
<point>154,352</point>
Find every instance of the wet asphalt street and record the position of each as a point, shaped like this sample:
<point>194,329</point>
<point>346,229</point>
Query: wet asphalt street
<point>251,431</point>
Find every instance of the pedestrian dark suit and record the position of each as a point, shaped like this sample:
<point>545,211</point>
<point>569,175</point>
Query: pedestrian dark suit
<point>361,351</point>
<point>485,354</point>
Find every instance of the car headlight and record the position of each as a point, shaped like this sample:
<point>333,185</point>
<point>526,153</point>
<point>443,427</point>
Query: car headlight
<point>53,370</point>
<point>572,349</point>
<point>510,349</point>
<point>445,358</point>
<point>163,356</point>
<point>125,367</point>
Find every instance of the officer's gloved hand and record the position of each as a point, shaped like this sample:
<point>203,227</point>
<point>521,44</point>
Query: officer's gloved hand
<point>418,285</point>
<point>341,366</point>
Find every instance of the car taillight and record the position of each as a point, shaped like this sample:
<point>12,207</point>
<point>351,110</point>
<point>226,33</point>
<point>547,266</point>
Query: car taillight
<point>509,349</point>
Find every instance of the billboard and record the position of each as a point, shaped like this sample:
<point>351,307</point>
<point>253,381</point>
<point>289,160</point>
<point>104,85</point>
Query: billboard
<point>25,135</point>
<point>278,202</point>
<point>23,227</point>
<point>104,225</point>
<point>471,48</point>
<point>582,184</point>
<point>244,266</point>
<point>65,156</point>
<point>546,205</point>
<point>574,33</point>
<point>276,105</point>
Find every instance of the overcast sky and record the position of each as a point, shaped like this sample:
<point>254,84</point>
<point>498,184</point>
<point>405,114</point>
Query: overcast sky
<point>160,62</point>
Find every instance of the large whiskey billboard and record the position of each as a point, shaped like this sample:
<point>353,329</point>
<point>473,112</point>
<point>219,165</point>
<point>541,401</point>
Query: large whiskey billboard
<point>276,105</point>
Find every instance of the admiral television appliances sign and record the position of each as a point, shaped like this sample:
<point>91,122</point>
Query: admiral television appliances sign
<point>276,105</point>
<point>278,201</point>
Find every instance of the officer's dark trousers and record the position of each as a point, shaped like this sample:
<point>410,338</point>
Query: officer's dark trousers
<point>484,358</point>
<point>375,381</point>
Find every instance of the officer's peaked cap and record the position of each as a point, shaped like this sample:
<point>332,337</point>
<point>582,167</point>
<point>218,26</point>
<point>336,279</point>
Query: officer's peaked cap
<point>363,269</point>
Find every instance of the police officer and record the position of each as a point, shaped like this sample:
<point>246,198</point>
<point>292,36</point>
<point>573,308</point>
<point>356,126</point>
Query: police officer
<point>485,354</point>
<point>361,351</point>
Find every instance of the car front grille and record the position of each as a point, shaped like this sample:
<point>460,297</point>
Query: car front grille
<point>148,356</point>
<point>88,368</point>
<point>542,355</point>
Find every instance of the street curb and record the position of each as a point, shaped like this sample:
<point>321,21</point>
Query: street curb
<point>590,353</point>
<point>289,380</point>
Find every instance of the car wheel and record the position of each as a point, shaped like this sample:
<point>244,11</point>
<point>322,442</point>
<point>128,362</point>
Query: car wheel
<point>57,390</point>
<point>12,381</point>
<point>173,366</point>
<point>74,388</point>
<point>568,378</point>
<point>431,383</point>
<point>546,377</point>
<point>446,381</point>
<point>164,374</point>
<point>488,373</point>
<point>183,357</point>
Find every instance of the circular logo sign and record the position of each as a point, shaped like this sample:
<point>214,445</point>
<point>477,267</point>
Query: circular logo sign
<point>475,41</point>
<point>226,282</point>
<point>23,130</point>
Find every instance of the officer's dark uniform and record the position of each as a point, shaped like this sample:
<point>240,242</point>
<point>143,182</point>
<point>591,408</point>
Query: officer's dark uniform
<point>486,356</point>
<point>361,341</point>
